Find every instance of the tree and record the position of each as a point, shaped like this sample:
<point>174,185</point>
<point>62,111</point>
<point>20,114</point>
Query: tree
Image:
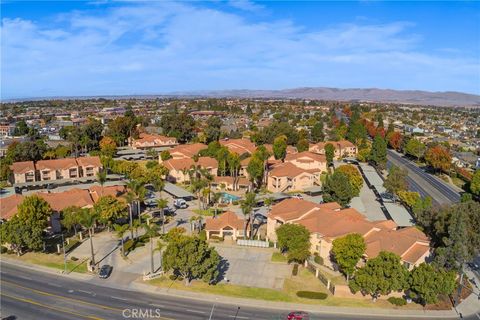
<point>337,188</point>
<point>102,178</point>
<point>212,129</point>
<point>302,145</point>
<point>21,128</point>
<point>280,148</point>
<point>439,158</point>
<point>88,219</point>
<point>356,132</point>
<point>71,217</point>
<point>354,176</point>
<point>475,183</point>
<point>109,209</point>
<point>151,231</point>
<point>295,240</point>
<point>396,180</point>
<point>191,258</point>
<point>381,275</point>
<point>415,148</point>
<point>178,125</point>
<point>379,152</point>
<point>161,205</point>
<point>329,153</point>
<point>165,155</point>
<point>427,282</point>
<point>317,133</point>
<point>108,147</point>
<point>120,231</point>
<point>247,206</point>
<point>256,169</point>
<point>347,251</point>
<point>395,140</point>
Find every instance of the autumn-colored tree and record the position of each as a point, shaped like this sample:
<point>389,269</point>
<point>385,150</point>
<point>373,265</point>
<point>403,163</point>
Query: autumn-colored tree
<point>354,177</point>
<point>395,140</point>
<point>439,158</point>
<point>108,146</point>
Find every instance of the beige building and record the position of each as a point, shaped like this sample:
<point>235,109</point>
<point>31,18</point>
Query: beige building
<point>146,141</point>
<point>227,224</point>
<point>23,171</point>
<point>286,177</point>
<point>185,151</point>
<point>343,148</point>
<point>89,166</point>
<point>179,168</point>
<point>328,221</point>
<point>57,169</point>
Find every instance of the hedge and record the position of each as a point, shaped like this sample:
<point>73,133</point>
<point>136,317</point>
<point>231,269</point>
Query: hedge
<point>397,301</point>
<point>312,295</point>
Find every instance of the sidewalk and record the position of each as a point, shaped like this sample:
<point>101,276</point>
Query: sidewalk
<point>467,307</point>
<point>471,305</point>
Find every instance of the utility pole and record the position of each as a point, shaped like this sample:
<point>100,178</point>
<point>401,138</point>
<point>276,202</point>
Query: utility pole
<point>64,256</point>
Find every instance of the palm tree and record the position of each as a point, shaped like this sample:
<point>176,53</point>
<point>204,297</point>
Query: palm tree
<point>120,232</point>
<point>215,199</point>
<point>161,205</point>
<point>102,178</point>
<point>151,230</point>
<point>130,198</point>
<point>139,191</point>
<point>88,219</point>
<point>247,209</point>
<point>160,247</point>
<point>234,165</point>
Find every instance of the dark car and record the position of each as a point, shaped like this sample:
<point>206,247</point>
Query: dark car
<point>260,218</point>
<point>298,315</point>
<point>105,271</point>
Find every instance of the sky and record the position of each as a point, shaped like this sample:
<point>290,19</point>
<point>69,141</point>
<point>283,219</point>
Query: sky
<point>101,47</point>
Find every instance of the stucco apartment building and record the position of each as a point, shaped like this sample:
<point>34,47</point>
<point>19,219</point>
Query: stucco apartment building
<point>328,221</point>
<point>58,169</point>
<point>239,146</point>
<point>185,151</point>
<point>298,172</point>
<point>226,224</point>
<point>343,148</point>
<point>178,168</point>
<point>146,141</point>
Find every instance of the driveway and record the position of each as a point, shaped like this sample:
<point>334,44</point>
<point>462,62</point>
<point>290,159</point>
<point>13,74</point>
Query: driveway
<point>252,267</point>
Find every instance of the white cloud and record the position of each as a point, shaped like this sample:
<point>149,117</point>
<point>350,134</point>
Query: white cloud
<point>161,47</point>
<point>246,5</point>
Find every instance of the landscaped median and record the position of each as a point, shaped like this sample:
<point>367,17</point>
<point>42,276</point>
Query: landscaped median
<point>49,260</point>
<point>304,281</point>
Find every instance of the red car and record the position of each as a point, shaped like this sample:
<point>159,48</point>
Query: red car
<point>298,315</point>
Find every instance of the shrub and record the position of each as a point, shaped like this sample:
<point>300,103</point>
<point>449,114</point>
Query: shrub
<point>3,249</point>
<point>202,235</point>
<point>312,295</point>
<point>397,301</point>
<point>295,270</point>
<point>74,258</point>
<point>173,277</point>
<point>318,260</point>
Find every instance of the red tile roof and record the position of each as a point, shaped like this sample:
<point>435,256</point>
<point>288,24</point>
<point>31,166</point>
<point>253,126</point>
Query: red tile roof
<point>227,219</point>
<point>22,167</point>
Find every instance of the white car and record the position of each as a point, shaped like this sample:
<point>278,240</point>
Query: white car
<point>180,204</point>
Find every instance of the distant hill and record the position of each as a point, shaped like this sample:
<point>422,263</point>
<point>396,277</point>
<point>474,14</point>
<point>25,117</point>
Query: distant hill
<point>448,98</point>
<point>417,97</point>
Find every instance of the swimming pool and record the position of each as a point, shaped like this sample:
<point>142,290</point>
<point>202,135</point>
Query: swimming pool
<point>227,197</point>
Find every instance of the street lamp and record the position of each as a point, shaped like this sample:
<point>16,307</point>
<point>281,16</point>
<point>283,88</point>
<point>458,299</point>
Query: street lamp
<point>64,256</point>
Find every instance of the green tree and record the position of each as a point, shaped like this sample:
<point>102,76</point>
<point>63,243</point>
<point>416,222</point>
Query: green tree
<point>256,169</point>
<point>427,282</point>
<point>151,231</point>
<point>396,180</point>
<point>120,231</point>
<point>161,205</point>
<point>88,220</point>
<point>102,178</point>
<point>21,128</point>
<point>295,240</point>
<point>354,176</point>
<point>165,155</point>
<point>302,145</point>
<point>381,275</point>
<point>379,151</point>
<point>109,209</point>
<point>337,188</point>
<point>280,148</point>
<point>415,148</point>
<point>317,133</point>
<point>108,146</point>
<point>329,153</point>
<point>212,129</point>
<point>191,258</point>
<point>356,132</point>
<point>71,218</point>
<point>347,251</point>
<point>475,183</point>
<point>247,206</point>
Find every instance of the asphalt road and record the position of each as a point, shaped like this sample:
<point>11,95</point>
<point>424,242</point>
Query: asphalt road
<point>425,183</point>
<point>28,294</point>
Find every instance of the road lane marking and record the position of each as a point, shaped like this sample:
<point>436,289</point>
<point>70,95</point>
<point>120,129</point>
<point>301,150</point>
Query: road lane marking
<point>238,317</point>
<point>157,305</point>
<point>118,298</point>
<point>195,311</point>
<point>30,301</point>
<point>478,316</point>
<point>62,297</point>
<point>87,292</point>
<point>26,278</point>
<point>54,285</point>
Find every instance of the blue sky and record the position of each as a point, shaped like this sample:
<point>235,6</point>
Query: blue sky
<point>72,48</point>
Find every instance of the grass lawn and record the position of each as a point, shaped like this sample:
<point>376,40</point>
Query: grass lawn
<point>304,281</point>
<point>208,212</point>
<point>51,260</point>
<point>278,257</point>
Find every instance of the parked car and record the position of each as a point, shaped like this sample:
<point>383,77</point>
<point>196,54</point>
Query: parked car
<point>180,204</point>
<point>105,271</point>
<point>297,196</point>
<point>298,315</point>
<point>260,218</point>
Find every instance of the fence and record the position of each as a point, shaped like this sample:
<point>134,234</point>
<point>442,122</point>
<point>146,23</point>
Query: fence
<point>313,267</point>
<point>253,243</point>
